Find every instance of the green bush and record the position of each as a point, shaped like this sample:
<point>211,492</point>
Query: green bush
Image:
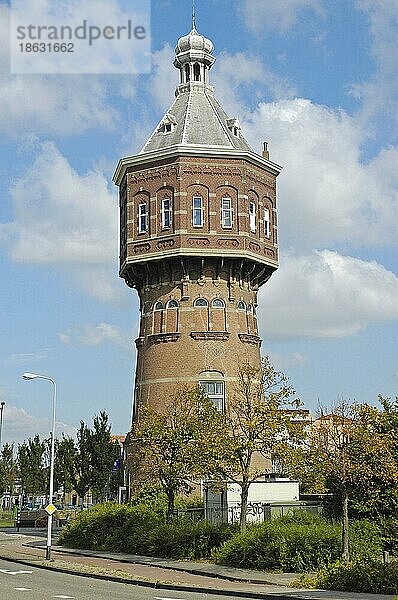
<point>296,543</point>
<point>142,530</point>
<point>371,577</point>
<point>389,534</point>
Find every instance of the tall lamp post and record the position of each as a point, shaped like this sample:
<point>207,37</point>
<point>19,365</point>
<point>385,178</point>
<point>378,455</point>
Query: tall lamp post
<point>2,405</point>
<point>29,376</point>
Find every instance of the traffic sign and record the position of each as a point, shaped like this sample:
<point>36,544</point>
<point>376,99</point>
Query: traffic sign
<point>50,509</point>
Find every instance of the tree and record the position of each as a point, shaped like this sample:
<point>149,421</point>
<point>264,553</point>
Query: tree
<point>178,444</point>
<point>352,452</point>
<point>8,469</point>
<point>103,455</point>
<point>259,427</point>
<point>32,468</point>
<point>81,477</point>
<point>64,463</point>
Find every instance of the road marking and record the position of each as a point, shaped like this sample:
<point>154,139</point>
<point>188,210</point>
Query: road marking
<point>159,598</point>
<point>15,572</point>
<point>23,589</point>
<point>66,597</point>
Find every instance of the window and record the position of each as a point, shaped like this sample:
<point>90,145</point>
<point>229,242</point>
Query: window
<point>158,306</point>
<point>218,303</point>
<point>267,230</point>
<point>142,218</point>
<point>168,128</point>
<point>172,304</point>
<point>197,211</point>
<point>241,305</point>
<point>196,72</point>
<point>187,75</point>
<point>226,212</point>
<point>252,214</point>
<point>166,213</point>
<point>201,302</point>
<point>214,390</point>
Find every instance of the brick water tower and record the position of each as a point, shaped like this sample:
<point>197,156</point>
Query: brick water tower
<point>198,238</point>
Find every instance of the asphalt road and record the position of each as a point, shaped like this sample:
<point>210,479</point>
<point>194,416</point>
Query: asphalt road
<point>18,582</point>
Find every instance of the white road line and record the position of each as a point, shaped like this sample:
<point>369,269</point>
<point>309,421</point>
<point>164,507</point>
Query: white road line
<point>8,572</point>
<point>159,598</point>
<point>23,589</point>
<point>66,597</point>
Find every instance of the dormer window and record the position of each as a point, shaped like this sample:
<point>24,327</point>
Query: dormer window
<point>167,125</point>
<point>234,126</point>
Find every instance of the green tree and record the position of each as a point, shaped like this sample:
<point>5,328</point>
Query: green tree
<point>176,445</point>
<point>81,476</point>
<point>103,453</point>
<point>64,463</point>
<point>351,452</point>
<point>259,428</point>
<point>32,468</point>
<point>8,468</point>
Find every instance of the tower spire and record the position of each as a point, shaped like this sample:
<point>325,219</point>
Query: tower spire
<point>193,16</point>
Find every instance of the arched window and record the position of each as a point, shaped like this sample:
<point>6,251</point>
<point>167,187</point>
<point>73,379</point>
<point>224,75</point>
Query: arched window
<point>201,302</point>
<point>158,306</point>
<point>157,322</point>
<point>196,72</point>
<point>218,303</point>
<point>241,305</point>
<point>172,304</point>
<point>187,75</point>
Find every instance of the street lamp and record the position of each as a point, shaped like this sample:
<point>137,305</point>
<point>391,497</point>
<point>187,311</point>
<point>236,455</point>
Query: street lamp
<point>2,405</point>
<point>28,377</point>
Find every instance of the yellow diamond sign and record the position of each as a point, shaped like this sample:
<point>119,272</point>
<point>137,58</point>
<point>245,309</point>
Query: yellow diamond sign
<point>50,509</point>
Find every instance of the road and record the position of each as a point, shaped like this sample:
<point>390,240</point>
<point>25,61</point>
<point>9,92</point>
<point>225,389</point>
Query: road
<point>18,582</point>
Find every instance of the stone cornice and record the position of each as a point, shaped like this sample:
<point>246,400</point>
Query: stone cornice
<point>193,151</point>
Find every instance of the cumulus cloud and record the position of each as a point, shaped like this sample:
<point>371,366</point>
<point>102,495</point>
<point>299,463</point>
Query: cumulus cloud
<point>326,294</point>
<point>19,425</point>
<point>327,193</point>
<point>96,335</point>
<point>380,94</point>
<point>49,104</point>
<point>60,216</point>
<point>277,16</point>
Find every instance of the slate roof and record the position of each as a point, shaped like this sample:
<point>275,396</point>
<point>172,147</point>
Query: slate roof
<point>198,119</point>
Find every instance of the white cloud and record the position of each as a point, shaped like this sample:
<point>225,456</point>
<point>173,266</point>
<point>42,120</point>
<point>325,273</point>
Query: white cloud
<point>380,94</point>
<point>28,357</point>
<point>240,75</point>
<point>19,425</point>
<point>96,335</point>
<point>326,192</point>
<point>326,294</point>
<point>60,216</point>
<point>49,104</point>
<point>280,16</point>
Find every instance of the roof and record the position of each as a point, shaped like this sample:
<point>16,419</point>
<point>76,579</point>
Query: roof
<point>197,119</point>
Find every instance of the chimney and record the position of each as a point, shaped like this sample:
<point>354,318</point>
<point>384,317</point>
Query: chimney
<point>265,151</point>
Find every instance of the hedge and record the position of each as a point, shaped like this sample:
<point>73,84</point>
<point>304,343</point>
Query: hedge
<point>372,577</point>
<point>297,543</point>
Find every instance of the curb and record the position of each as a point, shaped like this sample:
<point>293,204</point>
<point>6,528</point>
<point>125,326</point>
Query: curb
<point>180,569</point>
<point>158,584</point>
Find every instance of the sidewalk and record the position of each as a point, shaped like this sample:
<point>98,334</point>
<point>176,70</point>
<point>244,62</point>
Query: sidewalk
<point>164,573</point>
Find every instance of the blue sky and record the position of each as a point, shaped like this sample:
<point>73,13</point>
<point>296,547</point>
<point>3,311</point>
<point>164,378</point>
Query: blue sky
<point>318,80</point>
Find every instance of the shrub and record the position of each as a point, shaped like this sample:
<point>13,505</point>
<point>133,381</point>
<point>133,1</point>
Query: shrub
<point>142,530</point>
<point>296,543</point>
<point>371,577</point>
<point>389,534</point>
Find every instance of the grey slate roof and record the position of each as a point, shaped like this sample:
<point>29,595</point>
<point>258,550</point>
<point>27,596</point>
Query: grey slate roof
<point>200,120</point>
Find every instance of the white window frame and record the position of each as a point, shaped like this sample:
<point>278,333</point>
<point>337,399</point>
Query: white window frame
<point>142,214</point>
<point>227,213</point>
<point>197,211</point>
<point>267,223</point>
<point>252,216</point>
<point>166,213</point>
<point>218,397</point>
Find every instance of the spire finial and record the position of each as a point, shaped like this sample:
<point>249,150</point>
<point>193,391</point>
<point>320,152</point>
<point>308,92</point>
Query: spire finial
<point>193,15</point>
